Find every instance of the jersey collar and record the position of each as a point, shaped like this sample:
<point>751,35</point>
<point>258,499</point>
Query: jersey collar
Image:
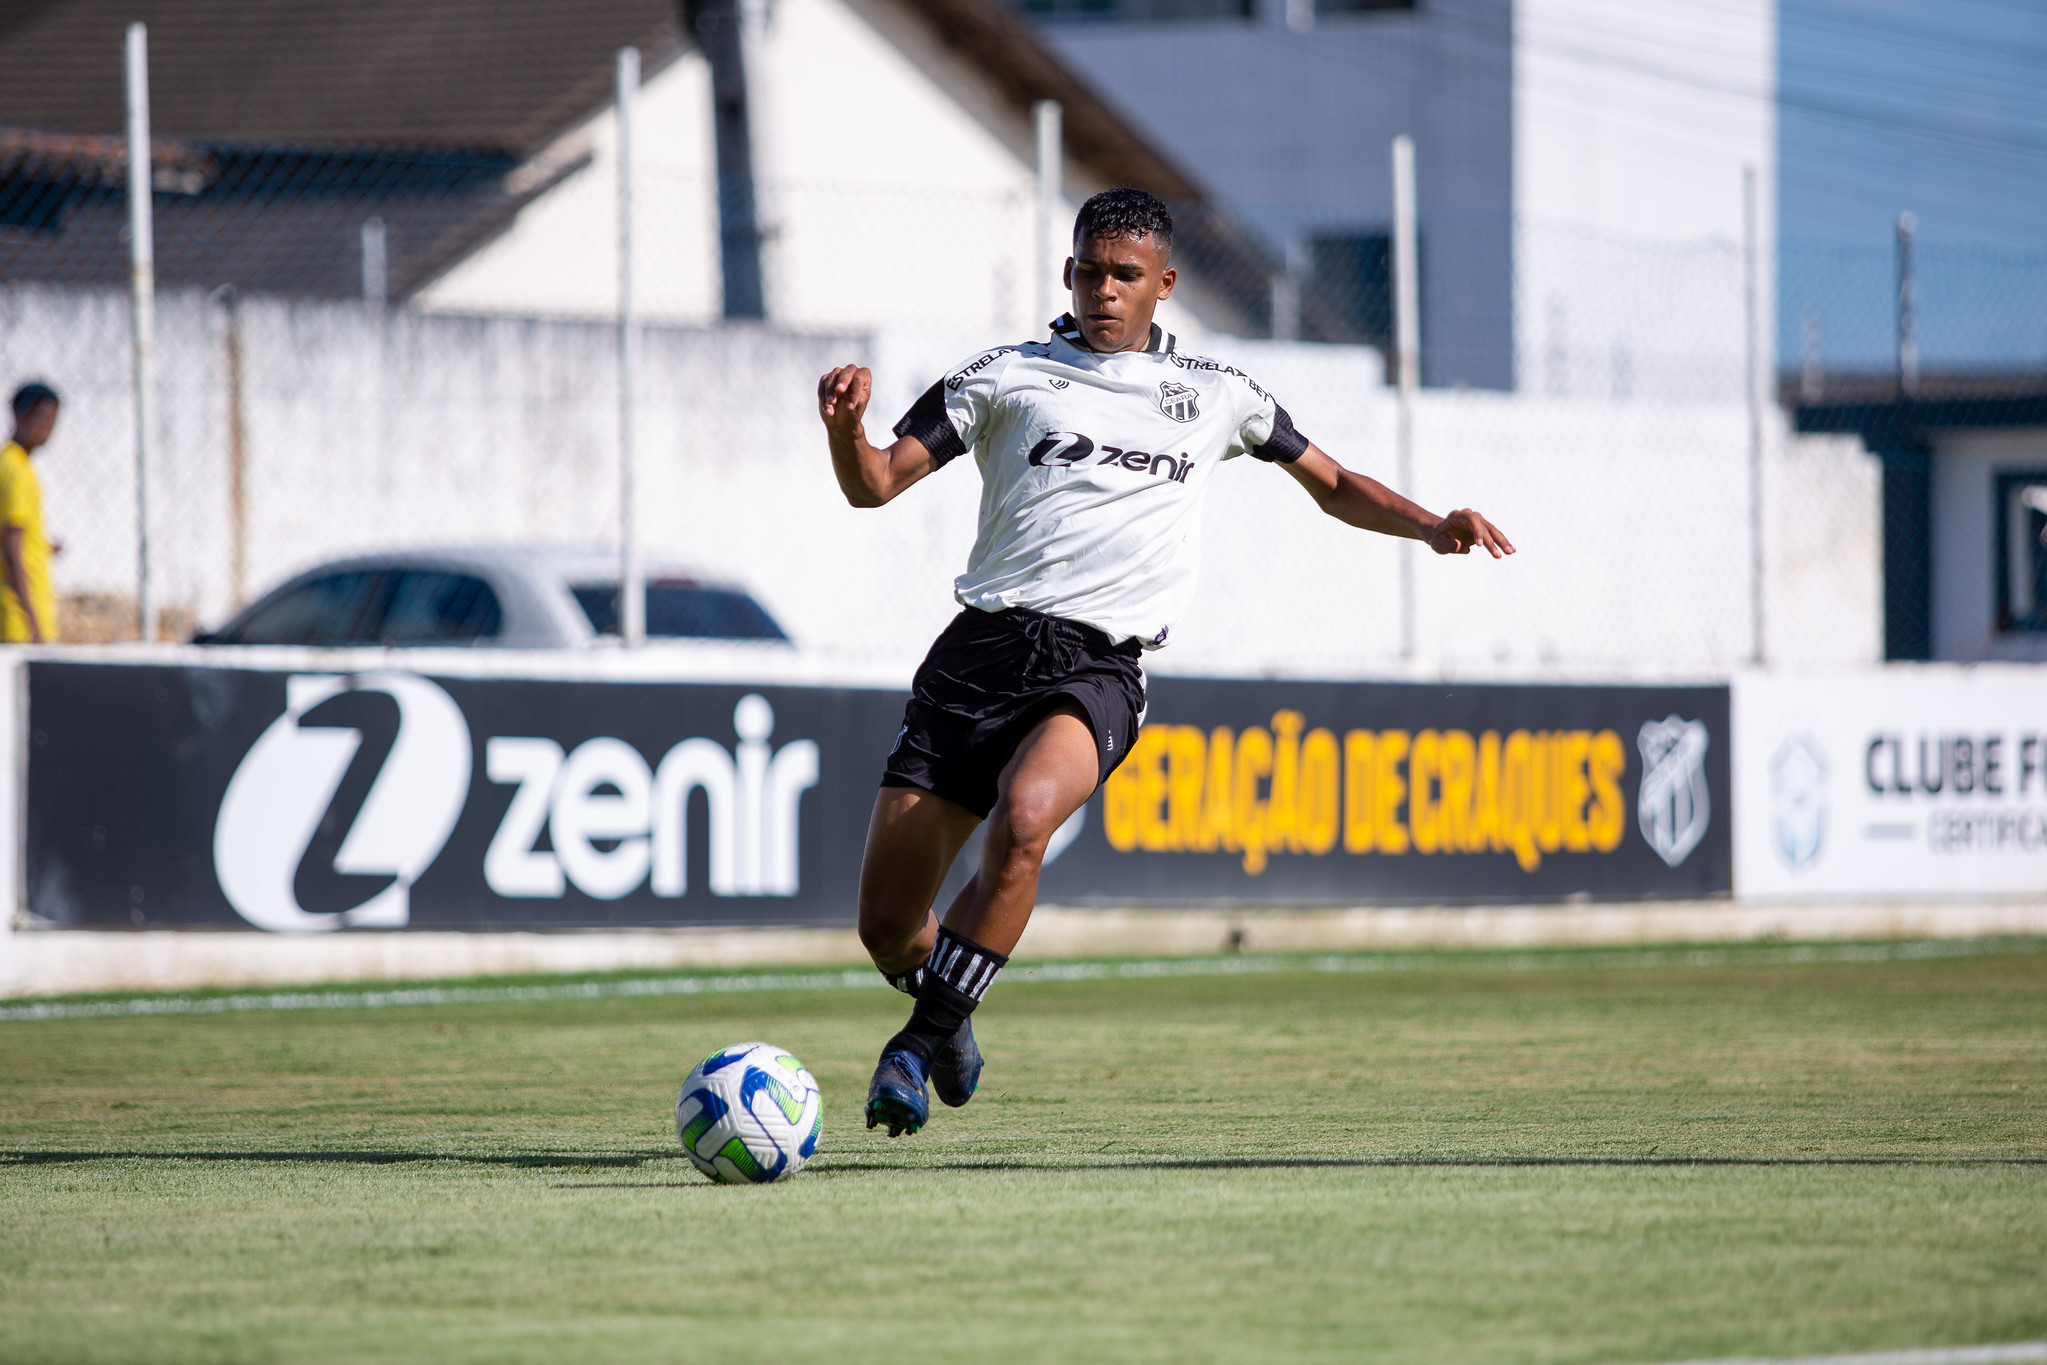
<point>1067,330</point>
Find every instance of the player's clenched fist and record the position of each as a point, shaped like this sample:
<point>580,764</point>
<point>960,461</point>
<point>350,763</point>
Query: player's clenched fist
<point>842,396</point>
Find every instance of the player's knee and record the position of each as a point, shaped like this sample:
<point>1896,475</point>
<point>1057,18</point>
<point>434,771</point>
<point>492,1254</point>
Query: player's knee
<point>885,930</point>
<point>1026,820</point>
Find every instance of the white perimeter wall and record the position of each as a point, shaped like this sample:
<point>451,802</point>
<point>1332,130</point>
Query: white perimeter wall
<point>1632,125</point>
<point>364,433</point>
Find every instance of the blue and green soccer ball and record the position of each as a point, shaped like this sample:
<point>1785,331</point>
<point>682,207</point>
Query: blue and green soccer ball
<point>749,1114</point>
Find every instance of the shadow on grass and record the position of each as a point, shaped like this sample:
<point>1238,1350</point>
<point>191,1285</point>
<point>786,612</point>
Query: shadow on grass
<point>541,1160</point>
<point>1267,1163</point>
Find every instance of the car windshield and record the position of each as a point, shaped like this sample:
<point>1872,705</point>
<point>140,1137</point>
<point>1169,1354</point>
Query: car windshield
<point>681,610</point>
<point>374,607</point>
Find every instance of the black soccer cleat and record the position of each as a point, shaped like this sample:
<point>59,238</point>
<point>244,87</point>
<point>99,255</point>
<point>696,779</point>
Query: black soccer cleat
<point>956,1069</point>
<point>896,1096</point>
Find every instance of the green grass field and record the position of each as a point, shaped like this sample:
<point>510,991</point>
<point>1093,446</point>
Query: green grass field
<point>1464,1163</point>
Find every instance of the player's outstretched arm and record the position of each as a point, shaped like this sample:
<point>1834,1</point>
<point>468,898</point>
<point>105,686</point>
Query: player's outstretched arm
<point>1366,503</point>
<point>868,475</point>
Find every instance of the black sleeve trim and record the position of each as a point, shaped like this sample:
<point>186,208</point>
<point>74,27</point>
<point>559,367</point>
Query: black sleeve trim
<point>1285,445</point>
<point>926,420</point>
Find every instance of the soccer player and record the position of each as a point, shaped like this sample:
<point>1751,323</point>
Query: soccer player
<point>1095,446</point>
<point>28,604</point>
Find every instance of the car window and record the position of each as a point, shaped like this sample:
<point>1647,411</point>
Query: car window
<point>333,609</point>
<point>426,606</point>
<point>683,611</point>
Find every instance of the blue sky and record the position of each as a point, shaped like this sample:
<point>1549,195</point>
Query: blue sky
<point>1936,106</point>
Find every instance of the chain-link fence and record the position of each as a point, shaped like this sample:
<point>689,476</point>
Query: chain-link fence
<point>366,348</point>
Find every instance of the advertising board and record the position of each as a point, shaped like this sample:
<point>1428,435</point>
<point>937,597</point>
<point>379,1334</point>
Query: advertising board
<point>298,802</point>
<point>1908,782</point>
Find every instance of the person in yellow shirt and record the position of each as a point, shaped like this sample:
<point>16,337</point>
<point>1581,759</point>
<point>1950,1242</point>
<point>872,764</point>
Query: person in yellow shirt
<point>28,602</point>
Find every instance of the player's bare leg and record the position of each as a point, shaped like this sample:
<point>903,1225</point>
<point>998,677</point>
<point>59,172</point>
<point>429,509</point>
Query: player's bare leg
<point>912,838</point>
<point>1051,775</point>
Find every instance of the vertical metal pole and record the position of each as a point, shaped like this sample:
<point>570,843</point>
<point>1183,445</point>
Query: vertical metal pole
<point>1908,322</point>
<point>1051,255</point>
<point>142,273</point>
<point>237,457</point>
<point>1751,387</point>
<point>1406,358</point>
<point>376,264</point>
<point>632,583</point>
<point>1812,370</point>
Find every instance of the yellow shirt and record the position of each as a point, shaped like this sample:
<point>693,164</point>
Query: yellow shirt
<point>21,508</point>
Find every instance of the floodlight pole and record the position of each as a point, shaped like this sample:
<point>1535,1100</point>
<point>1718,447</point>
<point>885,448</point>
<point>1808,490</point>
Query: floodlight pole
<point>632,583</point>
<point>1752,398</point>
<point>1046,120</point>
<point>1407,360</point>
<point>142,276</point>
<point>376,264</point>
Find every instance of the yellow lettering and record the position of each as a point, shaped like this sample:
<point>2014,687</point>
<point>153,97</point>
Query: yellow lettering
<point>1120,797</point>
<point>1486,834</point>
<point>1186,765</point>
<point>1608,762</point>
<point>1282,810</point>
<point>1573,748</point>
<point>1519,769</point>
<point>1147,755</point>
<point>1391,792</point>
<point>1542,787</point>
<point>1254,762</point>
<point>1422,811</point>
<point>1319,809</point>
<point>1358,766</point>
<point>1453,812</point>
<point>1218,812</point>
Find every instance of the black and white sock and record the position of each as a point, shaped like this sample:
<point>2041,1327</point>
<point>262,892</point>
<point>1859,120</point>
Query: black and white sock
<point>956,976</point>
<point>907,982</point>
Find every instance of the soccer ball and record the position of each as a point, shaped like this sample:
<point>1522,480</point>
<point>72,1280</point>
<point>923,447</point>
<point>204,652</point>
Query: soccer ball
<point>749,1114</point>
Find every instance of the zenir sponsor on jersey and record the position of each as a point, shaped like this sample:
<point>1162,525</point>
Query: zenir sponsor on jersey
<point>1068,448</point>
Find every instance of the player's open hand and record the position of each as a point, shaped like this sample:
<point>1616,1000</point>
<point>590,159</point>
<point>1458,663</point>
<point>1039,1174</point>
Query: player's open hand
<point>842,397</point>
<point>1457,533</point>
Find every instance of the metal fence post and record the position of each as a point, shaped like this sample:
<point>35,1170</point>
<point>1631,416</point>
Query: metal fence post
<point>1751,386</point>
<point>142,275</point>
<point>632,584</point>
<point>1407,359</point>
<point>1045,118</point>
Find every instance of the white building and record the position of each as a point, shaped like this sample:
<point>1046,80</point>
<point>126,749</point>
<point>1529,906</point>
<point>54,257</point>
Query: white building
<point>1580,163</point>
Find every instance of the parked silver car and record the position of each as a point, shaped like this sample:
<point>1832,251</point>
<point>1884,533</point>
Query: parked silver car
<point>508,597</point>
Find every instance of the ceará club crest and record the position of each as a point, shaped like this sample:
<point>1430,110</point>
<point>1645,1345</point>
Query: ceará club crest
<point>1177,402</point>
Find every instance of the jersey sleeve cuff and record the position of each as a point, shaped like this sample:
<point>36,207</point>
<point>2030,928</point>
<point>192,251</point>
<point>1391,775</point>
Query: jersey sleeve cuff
<point>1285,445</point>
<point>926,420</point>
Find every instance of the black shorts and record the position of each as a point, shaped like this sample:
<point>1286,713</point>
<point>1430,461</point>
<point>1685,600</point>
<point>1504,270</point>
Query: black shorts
<point>988,679</point>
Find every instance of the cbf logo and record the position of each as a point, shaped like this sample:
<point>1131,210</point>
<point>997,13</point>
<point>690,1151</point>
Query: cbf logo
<point>613,823</point>
<point>1798,801</point>
<point>1673,807</point>
<point>1177,402</point>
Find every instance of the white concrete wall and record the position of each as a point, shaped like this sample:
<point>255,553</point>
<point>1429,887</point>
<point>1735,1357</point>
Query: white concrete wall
<point>364,433</point>
<point>1632,125</point>
<point>1964,521</point>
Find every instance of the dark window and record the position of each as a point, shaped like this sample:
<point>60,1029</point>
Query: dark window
<point>336,609</point>
<point>2022,551</point>
<point>682,611</point>
<point>1352,274</point>
<point>1139,9</point>
<point>428,607</point>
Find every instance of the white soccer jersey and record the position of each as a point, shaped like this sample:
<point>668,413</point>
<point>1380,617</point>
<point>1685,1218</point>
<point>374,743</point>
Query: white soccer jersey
<point>1093,468</point>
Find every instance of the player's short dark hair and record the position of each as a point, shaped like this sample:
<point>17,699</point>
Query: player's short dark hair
<point>1125,213</point>
<point>30,395</point>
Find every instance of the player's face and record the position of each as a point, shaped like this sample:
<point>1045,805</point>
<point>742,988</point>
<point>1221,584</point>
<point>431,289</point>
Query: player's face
<point>33,427</point>
<point>1117,283</point>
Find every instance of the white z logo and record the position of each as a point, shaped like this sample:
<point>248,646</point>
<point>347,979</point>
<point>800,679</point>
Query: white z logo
<point>287,780</point>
